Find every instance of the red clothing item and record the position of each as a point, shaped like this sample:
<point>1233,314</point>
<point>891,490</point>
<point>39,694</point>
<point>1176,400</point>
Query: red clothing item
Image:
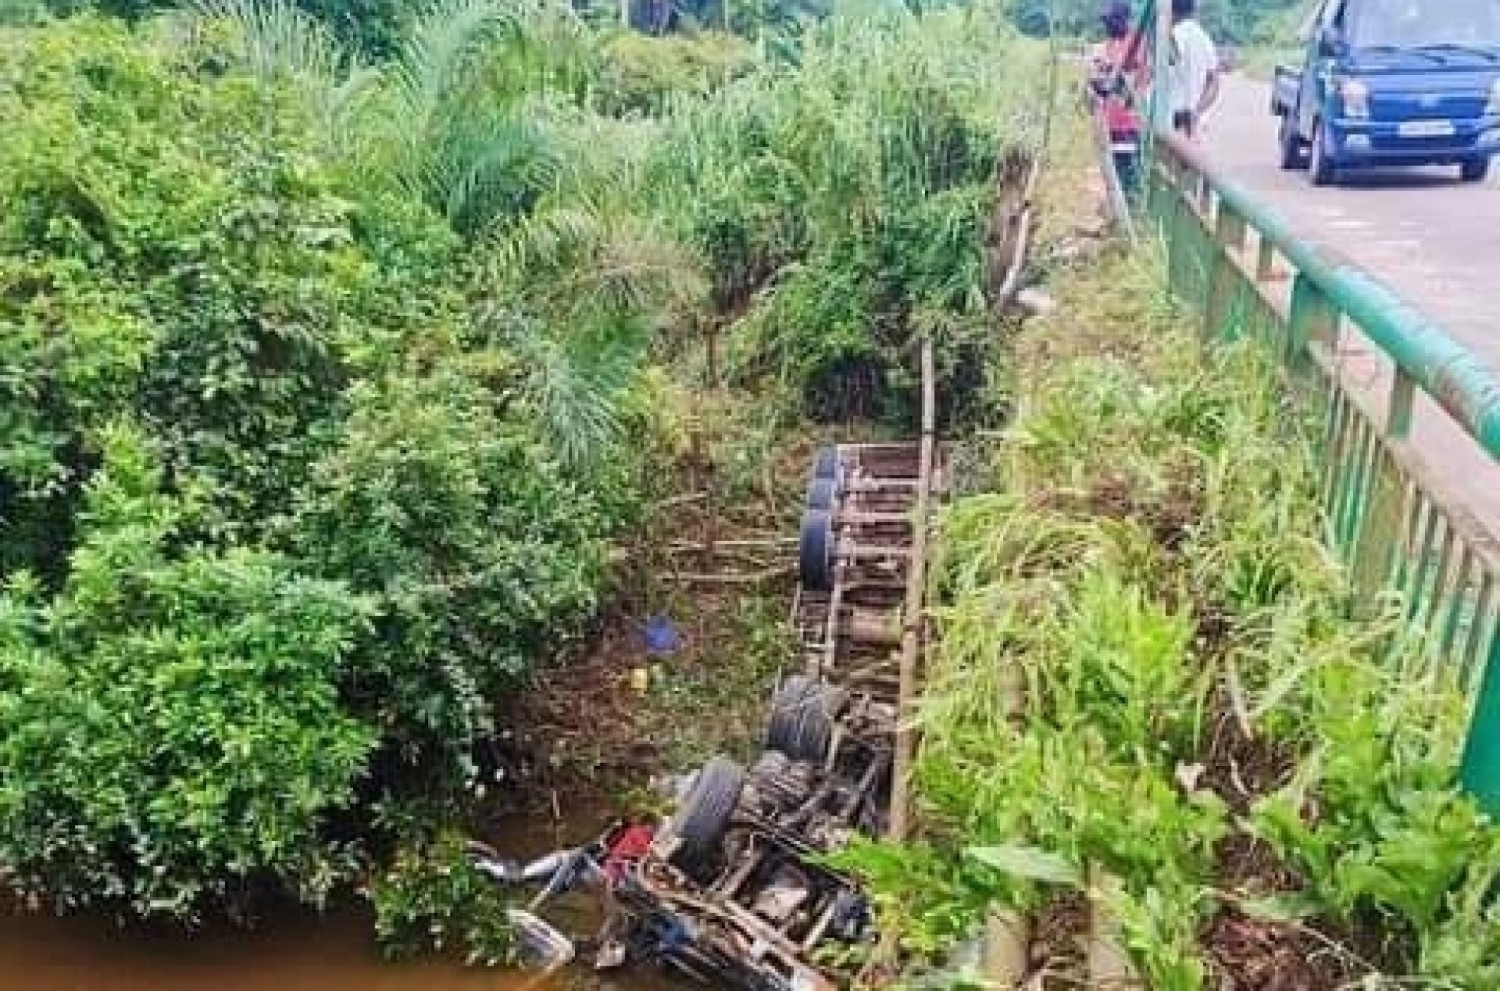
<point>631,845</point>
<point>1119,117</point>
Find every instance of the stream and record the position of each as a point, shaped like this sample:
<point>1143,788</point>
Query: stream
<point>298,950</point>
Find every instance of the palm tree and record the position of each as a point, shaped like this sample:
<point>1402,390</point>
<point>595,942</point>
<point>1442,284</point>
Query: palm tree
<point>463,116</point>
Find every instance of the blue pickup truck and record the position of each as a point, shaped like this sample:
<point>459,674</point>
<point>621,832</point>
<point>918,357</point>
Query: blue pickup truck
<point>1393,82</point>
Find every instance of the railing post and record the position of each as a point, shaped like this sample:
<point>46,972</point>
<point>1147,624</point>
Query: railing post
<point>1265,260</point>
<point>1398,406</point>
<point>1382,542</point>
<point>1479,771</point>
<point>1224,275</point>
<point>1156,189</point>
<point>1375,537</point>
<point>1313,318</point>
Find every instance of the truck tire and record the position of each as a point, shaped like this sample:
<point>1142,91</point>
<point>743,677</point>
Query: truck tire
<point>1474,170</point>
<point>703,818</point>
<point>1293,154</point>
<point>1320,167</point>
<point>826,463</point>
<point>815,551</point>
<point>822,494</point>
<point>803,713</point>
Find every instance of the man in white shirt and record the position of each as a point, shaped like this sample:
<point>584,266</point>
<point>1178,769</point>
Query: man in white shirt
<point>1192,67</point>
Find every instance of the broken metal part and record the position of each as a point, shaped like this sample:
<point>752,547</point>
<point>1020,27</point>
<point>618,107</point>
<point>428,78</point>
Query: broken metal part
<point>542,946</point>
<point>787,892</point>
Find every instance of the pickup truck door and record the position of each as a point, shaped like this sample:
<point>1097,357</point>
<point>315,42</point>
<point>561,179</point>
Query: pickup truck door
<point>1318,68</point>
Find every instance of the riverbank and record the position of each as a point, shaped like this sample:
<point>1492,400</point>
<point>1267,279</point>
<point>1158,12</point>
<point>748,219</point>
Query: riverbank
<point>683,662</point>
<point>294,948</point>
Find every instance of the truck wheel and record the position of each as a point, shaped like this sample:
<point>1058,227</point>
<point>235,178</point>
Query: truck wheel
<point>1292,152</point>
<point>822,494</point>
<point>1320,166</point>
<point>1475,170</point>
<point>703,818</point>
<point>826,463</point>
<point>802,717</point>
<point>815,551</point>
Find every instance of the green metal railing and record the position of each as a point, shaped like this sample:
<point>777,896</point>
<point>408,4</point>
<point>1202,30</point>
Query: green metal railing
<point>1397,524</point>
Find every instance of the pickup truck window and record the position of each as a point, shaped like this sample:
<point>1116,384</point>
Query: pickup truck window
<point>1409,24</point>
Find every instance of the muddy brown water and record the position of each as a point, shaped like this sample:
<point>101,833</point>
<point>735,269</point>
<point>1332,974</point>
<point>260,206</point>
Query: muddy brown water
<point>295,950</point>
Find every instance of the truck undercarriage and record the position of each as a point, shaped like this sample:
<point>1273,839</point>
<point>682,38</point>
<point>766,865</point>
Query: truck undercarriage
<point>735,888</point>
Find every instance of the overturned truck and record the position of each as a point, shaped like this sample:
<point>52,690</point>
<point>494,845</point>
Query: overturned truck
<point>734,888</point>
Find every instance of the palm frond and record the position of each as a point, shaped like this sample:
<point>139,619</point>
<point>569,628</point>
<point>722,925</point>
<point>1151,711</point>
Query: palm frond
<point>578,384</point>
<point>580,259</point>
<point>439,49</point>
<point>281,43</point>
<point>489,169</point>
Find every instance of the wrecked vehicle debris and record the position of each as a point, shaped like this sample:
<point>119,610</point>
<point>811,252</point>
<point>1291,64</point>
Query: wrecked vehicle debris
<point>734,888</point>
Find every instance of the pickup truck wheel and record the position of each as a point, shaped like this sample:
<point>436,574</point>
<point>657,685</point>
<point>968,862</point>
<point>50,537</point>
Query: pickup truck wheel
<point>1319,165</point>
<point>1475,170</point>
<point>802,717</point>
<point>703,818</point>
<point>1292,151</point>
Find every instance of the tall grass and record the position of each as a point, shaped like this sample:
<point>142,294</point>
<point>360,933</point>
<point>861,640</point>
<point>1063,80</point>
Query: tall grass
<point>1149,571</point>
<point>841,204</point>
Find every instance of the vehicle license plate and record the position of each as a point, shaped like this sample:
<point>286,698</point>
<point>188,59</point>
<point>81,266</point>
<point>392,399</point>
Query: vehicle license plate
<point>1425,128</point>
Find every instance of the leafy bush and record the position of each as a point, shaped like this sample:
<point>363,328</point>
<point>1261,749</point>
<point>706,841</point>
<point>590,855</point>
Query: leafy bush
<point>225,659</point>
<point>161,266</point>
<point>432,899</point>
<point>642,74</point>
<point>477,552</point>
<point>171,734</point>
<point>372,27</point>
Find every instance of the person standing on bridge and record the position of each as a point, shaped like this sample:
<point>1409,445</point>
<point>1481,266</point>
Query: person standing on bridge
<point>1192,69</point>
<point>1119,74</point>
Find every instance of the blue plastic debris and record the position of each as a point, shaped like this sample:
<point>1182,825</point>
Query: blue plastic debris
<point>661,635</point>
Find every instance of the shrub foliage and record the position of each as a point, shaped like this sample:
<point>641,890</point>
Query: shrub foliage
<point>325,385</point>
<point>275,539</point>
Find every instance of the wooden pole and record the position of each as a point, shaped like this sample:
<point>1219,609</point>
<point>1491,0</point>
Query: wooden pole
<point>915,611</point>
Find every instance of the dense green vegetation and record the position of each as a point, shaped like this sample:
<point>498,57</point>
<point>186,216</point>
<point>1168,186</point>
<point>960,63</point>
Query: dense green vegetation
<point>330,388</point>
<point>333,392</point>
<point>260,469</point>
<point>872,229</point>
<point>1141,566</point>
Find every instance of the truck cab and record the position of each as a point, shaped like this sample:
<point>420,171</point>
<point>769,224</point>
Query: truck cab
<point>1393,82</point>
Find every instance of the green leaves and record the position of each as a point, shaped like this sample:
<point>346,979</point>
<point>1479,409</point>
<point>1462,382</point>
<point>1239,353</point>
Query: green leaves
<point>434,899</point>
<point>1146,667</point>
<point>842,204</point>
<point>480,555</point>
<point>171,733</point>
<point>264,524</point>
<point>1028,863</point>
<point>158,264</point>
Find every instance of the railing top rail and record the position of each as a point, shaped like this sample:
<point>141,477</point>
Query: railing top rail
<point>1447,372</point>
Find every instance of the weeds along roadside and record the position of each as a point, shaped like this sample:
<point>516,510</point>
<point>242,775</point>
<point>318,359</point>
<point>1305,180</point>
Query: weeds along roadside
<point>1200,719</point>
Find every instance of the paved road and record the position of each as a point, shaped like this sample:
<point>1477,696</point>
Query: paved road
<point>1433,239</point>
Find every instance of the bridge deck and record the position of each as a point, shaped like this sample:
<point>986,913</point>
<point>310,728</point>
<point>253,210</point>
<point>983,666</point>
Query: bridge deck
<point>1432,239</point>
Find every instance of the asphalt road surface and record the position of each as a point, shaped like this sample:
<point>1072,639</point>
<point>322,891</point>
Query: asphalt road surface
<point>1434,240</point>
